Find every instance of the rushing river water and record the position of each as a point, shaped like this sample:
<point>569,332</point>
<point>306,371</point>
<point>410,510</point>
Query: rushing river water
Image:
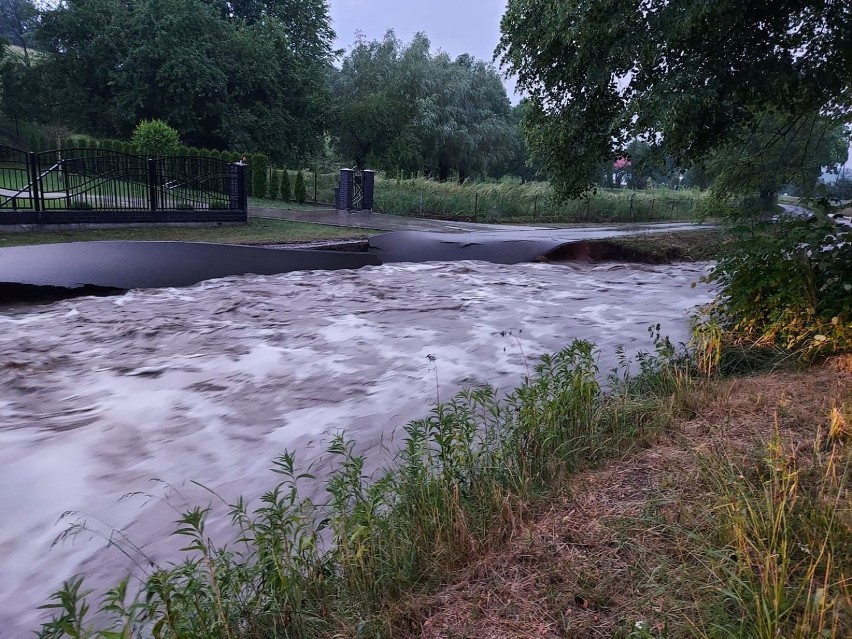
<point>98,396</point>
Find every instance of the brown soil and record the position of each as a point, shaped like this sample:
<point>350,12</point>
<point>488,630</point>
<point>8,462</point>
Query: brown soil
<point>660,248</point>
<point>590,564</point>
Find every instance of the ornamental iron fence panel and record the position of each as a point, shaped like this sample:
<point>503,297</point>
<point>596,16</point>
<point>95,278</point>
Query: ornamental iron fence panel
<point>104,181</point>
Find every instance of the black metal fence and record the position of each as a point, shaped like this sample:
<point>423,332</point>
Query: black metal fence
<point>99,186</point>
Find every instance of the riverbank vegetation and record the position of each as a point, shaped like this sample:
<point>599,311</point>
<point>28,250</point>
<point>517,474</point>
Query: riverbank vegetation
<point>501,201</point>
<point>671,503</point>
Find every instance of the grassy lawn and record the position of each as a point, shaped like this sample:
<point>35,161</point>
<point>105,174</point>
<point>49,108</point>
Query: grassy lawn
<point>255,232</point>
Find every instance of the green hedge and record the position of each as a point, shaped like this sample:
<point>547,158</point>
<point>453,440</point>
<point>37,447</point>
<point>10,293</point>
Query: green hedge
<point>259,181</point>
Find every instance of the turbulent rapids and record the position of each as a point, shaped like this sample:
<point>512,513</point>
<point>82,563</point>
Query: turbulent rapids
<point>100,395</point>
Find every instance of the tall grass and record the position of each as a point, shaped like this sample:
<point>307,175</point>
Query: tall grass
<point>786,524</point>
<point>511,201</point>
<point>508,201</point>
<point>462,481</point>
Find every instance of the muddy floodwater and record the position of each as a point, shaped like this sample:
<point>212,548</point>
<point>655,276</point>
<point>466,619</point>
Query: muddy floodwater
<point>98,396</point>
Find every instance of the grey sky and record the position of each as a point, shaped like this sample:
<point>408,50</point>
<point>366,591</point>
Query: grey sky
<point>454,26</point>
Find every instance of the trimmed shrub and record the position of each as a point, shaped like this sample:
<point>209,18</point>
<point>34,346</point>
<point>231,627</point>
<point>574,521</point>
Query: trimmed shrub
<point>300,191</point>
<point>273,184</point>
<point>259,174</point>
<point>155,137</point>
<point>218,205</point>
<point>216,154</point>
<point>285,191</point>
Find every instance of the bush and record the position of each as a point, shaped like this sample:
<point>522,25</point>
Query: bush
<point>155,137</point>
<point>285,192</point>
<point>787,283</point>
<point>300,192</point>
<point>272,184</point>
<point>259,164</point>
<point>219,205</point>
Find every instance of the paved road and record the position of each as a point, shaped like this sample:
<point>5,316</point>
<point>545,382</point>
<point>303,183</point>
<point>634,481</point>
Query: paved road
<point>382,222</point>
<point>374,221</point>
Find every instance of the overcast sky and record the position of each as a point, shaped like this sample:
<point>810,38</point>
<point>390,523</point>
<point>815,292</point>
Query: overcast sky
<point>454,26</point>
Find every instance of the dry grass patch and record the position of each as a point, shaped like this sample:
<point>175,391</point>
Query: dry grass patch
<point>639,548</point>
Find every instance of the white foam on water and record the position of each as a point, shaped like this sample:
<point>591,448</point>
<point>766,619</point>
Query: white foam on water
<point>98,396</point>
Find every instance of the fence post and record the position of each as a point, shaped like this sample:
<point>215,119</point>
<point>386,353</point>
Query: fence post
<point>475,204</point>
<point>152,184</point>
<point>242,186</point>
<point>65,179</point>
<point>34,182</point>
<point>315,185</point>
<point>535,208</point>
<point>651,212</point>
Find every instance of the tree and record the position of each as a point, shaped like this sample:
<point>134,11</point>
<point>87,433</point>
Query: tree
<point>773,156</point>
<point>686,75</point>
<point>203,66</point>
<point>155,137</point>
<point>401,108</point>
<point>300,191</point>
<point>259,175</point>
<point>285,185</point>
<point>22,83</point>
<point>18,20</point>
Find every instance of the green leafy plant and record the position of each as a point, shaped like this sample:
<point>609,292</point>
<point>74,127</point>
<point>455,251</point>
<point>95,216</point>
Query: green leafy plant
<point>787,282</point>
<point>155,137</point>
<point>285,192</point>
<point>300,191</point>
<point>259,167</point>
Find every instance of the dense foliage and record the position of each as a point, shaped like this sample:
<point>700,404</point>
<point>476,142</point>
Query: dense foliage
<point>153,137</point>
<point>686,75</point>
<point>789,282</point>
<point>224,74</point>
<point>401,108</point>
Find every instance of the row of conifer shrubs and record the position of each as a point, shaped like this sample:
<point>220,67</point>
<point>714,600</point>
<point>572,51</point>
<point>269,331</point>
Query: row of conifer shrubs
<point>265,181</point>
